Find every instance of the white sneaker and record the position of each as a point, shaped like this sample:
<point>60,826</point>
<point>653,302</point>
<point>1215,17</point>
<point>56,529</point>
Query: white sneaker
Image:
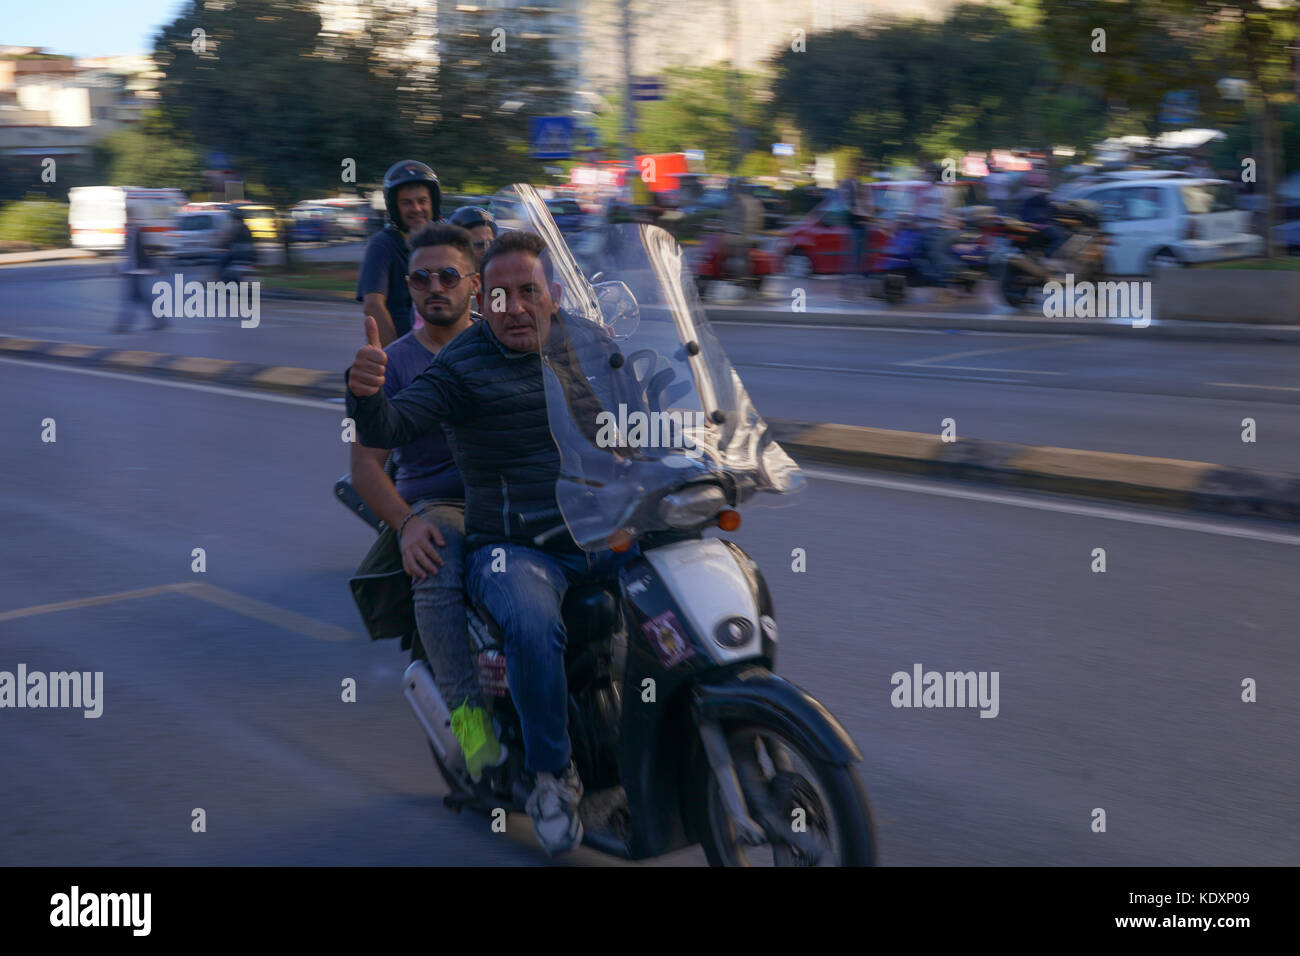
<point>554,809</point>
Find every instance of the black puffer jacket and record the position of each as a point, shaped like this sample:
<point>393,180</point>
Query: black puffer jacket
<point>491,404</point>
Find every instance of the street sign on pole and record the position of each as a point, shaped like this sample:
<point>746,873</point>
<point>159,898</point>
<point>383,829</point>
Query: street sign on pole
<point>783,149</point>
<point>551,137</point>
<point>646,89</point>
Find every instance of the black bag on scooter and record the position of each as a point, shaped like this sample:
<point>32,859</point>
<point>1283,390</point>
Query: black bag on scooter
<point>381,589</point>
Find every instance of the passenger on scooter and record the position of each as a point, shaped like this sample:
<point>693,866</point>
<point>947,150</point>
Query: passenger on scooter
<point>413,199</point>
<point>481,226</point>
<point>486,389</point>
<point>431,531</point>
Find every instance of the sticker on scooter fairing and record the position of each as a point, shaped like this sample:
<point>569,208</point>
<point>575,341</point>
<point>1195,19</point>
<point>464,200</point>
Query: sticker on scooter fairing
<point>665,636</point>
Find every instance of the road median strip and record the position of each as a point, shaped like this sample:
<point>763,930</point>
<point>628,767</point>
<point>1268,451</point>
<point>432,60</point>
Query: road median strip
<point>1192,485</point>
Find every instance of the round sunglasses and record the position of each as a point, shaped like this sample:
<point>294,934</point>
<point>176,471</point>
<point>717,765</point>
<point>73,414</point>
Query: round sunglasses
<point>448,278</point>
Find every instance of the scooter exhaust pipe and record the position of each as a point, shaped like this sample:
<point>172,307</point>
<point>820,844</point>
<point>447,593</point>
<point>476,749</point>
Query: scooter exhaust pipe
<point>431,711</point>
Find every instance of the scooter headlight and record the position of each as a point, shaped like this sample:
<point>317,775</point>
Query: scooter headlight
<point>692,507</point>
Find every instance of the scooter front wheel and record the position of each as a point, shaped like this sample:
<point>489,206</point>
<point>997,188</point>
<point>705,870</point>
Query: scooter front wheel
<point>814,813</point>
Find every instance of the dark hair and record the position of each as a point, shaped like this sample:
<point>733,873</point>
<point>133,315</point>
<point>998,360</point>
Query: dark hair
<point>442,234</point>
<point>518,241</point>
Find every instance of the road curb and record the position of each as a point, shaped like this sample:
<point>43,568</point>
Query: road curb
<point>1171,482</point>
<point>272,378</point>
<point>44,255</point>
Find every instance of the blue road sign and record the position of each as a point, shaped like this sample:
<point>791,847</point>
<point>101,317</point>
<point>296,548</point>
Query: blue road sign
<point>783,149</point>
<point>551,137</point>
<point>695,155</point>
<point>646,90</point>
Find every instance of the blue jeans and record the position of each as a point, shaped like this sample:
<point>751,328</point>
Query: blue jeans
<point>440,610</point>
<point>523,589</point>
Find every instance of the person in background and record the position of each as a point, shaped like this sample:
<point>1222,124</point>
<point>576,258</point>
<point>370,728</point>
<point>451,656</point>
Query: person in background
<point>856,197</point>
<point>136,272</point>
<point>481,226</point>
<point>413,199</point>
<point>241,248</point>
<point>937,226</point>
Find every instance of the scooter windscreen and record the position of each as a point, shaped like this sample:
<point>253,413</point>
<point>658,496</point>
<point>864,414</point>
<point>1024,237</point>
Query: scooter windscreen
<point>641,398</point>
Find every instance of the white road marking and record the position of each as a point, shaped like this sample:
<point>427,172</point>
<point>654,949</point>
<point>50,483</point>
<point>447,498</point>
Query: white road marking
<point>1063,507</point>
<point>917,373</point>
<point>1009,348</point>
<point>884,328</point>
<point>1276,388</point>
<point>981,368</point>
<point>192,386</point>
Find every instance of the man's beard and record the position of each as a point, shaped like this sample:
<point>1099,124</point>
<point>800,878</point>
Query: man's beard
<point>448,314</point>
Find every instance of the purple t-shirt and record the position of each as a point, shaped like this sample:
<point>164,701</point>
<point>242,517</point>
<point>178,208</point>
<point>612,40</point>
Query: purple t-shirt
<point>425,467</point>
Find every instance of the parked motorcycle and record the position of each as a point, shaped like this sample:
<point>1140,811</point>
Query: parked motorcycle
<point>681,731</point>
<point>718,259</point>
<point>1071,243</point>
<point>903,262</point>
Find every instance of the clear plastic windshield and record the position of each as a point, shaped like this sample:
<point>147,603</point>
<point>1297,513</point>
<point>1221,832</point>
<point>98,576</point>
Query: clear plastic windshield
<point>641,399</point>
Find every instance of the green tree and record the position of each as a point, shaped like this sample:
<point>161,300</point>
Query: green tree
<point>262,86</point>
<point>152,153</point>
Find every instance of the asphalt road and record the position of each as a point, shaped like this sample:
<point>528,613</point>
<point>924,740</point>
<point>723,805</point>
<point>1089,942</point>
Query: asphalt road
<point>1143,396</point>
<point>1118,691</point>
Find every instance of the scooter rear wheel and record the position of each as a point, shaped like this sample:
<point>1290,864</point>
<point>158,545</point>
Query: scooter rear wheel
<point>823,805</point>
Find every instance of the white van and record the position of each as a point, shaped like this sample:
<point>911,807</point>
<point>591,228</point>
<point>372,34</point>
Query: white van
<point>98,215</point>
<point>1169,220</point>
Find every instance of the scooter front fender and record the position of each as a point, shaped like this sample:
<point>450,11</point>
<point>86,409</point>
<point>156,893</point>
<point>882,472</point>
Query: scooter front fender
<point>757,696</point>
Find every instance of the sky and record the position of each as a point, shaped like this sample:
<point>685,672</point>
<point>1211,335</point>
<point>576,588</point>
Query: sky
<point>86,27</point>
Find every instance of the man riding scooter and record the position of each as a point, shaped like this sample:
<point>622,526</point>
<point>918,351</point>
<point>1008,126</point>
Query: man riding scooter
<point>486,389</point>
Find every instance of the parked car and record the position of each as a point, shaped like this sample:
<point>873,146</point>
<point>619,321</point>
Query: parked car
<point>1287,237</point>
<point>311,222</point>
<point>261,220</point>
<point>353,218</point>
<point>568,215</point>
<point>1170,221</point>
<point>505,209</point>
<point>201,233</point>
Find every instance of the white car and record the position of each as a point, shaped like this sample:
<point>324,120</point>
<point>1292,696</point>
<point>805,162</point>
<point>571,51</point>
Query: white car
<point>201,233</point>
<point>1169,221</point>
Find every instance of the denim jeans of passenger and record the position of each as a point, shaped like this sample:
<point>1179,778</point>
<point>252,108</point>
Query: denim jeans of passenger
<point>523,589</point>
<point>440,609</point>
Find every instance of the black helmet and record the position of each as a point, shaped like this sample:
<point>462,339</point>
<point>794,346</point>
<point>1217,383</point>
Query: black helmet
<point>467,217</point>
<point>403,173</point>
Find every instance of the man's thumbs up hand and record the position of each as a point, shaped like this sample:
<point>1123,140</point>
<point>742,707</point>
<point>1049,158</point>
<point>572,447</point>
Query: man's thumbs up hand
<point>367,374</point>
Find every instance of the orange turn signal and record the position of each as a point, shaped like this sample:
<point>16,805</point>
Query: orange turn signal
<point>729,520</point>
<point>620,541</point>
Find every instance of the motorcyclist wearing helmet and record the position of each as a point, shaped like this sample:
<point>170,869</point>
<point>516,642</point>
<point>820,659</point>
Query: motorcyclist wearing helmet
<point>413,199</point>
<point>482,228</point>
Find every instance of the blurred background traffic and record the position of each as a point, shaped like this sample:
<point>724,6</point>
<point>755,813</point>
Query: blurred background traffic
<point>862,155</point>
<point>779,142</point>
